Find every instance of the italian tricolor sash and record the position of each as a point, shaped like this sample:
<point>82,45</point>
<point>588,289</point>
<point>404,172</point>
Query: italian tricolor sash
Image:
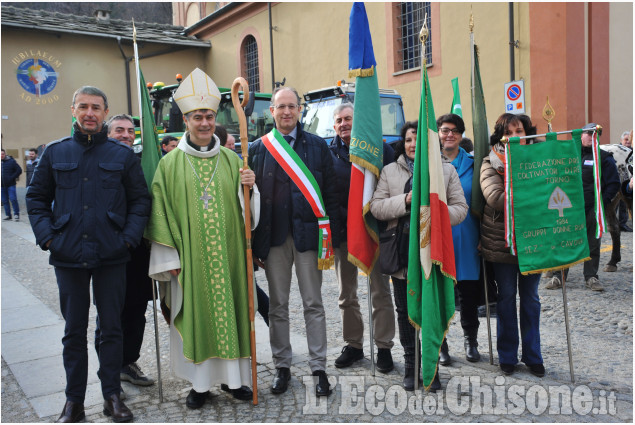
<point>597,189</point>
<point>295,168</point>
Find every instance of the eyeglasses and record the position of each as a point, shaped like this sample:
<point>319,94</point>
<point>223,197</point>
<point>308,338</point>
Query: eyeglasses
<point>445,131</point>
<point>284,107</point>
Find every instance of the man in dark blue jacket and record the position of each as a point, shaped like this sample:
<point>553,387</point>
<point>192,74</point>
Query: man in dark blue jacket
<point>287,234</point>
<point>10,173</point>
<point>383,310</point>
<point>610,185</point>
<point>88,204</point>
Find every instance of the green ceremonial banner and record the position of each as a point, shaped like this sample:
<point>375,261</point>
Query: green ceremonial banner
<point>366,146</point>
<point>481,136</point>
<point>548,204</point>
<point>151,148</point>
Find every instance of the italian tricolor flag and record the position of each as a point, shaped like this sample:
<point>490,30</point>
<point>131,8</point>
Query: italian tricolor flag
<point>431,269</point>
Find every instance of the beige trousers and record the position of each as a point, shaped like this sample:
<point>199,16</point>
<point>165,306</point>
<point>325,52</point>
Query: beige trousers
<point>383,310</point>
<point>278,271</point>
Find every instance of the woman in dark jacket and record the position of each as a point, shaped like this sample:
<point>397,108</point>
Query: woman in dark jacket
<point>505,265</point>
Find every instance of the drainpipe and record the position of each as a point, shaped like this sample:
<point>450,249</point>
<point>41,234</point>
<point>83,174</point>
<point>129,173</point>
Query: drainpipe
<point>273,76</point>
<point>512,42</point>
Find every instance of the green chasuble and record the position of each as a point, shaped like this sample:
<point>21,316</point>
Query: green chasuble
<point>213,318</point>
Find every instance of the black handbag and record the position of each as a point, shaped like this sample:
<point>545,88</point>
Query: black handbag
<point>393,244</point>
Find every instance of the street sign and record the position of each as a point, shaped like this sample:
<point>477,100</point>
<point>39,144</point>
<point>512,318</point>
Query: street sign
<point>515,97</point>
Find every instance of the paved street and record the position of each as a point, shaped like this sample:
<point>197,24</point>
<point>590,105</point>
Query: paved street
<point>601,336</point>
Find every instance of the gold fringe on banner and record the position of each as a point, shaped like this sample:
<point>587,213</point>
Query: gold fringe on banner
<point>368,72</point>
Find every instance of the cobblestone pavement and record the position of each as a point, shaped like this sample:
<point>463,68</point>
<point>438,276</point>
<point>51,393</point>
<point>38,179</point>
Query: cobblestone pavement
<point>601,337</point>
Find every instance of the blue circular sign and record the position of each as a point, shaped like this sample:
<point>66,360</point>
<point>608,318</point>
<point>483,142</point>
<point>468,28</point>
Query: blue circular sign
<point>37,77</point>
<point>513,92</point>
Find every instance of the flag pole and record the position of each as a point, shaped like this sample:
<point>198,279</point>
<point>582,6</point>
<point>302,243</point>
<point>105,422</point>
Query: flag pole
<point>370,326</point>
<point>487,313</point>
<point>244,143</point>
<point>473,62</point>
<point>548,114</point>
<point>423,35</point>
<point>566,323</point>
<point>156,339</point>
<point>154,294</point>
<point>506,139</point>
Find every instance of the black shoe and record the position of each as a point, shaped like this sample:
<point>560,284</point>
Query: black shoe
<point>242,393</point>
<point>471,352</point>
<point>349,356</point>
<point>384,360</point>
<point>625,228</point>
<point>409,379</point>
<point>72,412</point>
<point>133,374</point>
<point>507,369</point>
<point>537,369</point>
<point>196,400</point>
<point>323,388</point>
<point>7,218</point>
<point>281,380</point>
<point>113,406</point>
<point>444,354</point>
<point>436,384</point>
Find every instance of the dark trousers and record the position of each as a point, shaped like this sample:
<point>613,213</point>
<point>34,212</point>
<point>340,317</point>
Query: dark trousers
<point>133,324</point>
<point>469,292</point>
<point>590,267</point>
<point>510,282</point>
<point>406,330</point>
<point>622,214</point>
<point>109,289</point>
<point>263,303</point>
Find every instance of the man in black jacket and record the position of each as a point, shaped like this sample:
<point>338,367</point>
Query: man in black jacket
<point>287,234</point>
<point>10,173</point>
<point>609,185</point>
<point>31,163</point>
<point>138,284</point>
<point>383,310</point>
<point>88,205</point>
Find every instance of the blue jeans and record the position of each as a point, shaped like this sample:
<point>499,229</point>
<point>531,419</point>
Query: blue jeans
<point>508,278</point>
<point>9,194</point>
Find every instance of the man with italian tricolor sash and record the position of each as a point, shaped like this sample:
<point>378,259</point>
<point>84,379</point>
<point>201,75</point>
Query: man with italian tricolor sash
<point>298,226</point>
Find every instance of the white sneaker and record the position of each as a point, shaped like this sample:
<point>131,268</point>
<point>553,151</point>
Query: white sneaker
<point>554,283</point>
<point>594,284</point>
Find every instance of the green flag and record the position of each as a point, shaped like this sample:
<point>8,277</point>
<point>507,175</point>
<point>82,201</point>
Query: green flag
<point>149,139</point>
<point>481,134</point>
<point>366,145</point>
<point>547,204</point>
<point>456,100</point>
<point>431,267</point>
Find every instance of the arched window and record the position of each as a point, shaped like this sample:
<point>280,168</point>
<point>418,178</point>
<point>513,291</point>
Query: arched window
<point>250,63</point>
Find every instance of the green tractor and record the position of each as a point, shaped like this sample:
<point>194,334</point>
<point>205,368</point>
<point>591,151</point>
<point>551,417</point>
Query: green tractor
<point>169,120</point>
